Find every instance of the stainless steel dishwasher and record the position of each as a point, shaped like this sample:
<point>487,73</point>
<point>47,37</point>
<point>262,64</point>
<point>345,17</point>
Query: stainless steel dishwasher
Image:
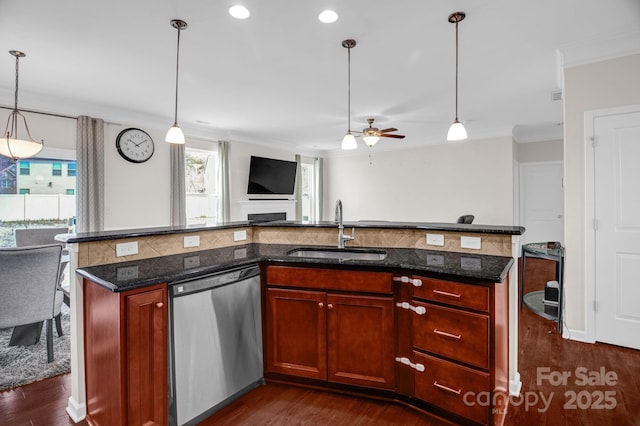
<point>215,342</point>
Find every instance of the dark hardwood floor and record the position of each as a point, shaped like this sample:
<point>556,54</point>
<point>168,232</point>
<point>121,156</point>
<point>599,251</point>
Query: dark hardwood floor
<point>542,403</point>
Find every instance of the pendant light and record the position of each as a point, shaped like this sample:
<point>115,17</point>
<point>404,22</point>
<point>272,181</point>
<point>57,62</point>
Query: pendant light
<point>175,135</point>
<point>349,141</point>
<point>457,132</point>
<point>12,145</point>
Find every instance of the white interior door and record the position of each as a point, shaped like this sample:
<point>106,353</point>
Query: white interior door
<point>617,235</point>
<point>542,201</point>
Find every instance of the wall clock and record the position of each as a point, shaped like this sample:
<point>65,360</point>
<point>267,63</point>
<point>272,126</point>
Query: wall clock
<point>134,145</point>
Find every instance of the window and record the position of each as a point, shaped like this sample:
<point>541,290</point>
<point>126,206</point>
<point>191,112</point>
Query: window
<point>71,168</point>
<point>25,168</point>
<point>56,169</point>
<point>308,186</point>
<point>70,191</point>
<point>201,178</point>
<point>24,191</point>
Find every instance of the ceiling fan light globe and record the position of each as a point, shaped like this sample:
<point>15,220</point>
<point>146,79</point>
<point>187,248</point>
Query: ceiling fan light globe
<point>457,132</point>
<point>370,140</point>
<point>175,135</point>
<point>349,142</point>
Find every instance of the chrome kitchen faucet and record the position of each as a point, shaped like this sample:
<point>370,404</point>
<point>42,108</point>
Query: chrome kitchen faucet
<point>338,219</point>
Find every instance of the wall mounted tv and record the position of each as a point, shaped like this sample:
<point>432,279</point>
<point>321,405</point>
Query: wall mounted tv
<point>271,177</point>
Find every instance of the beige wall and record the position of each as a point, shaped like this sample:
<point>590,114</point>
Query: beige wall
<point>431,184</point>
<point>607,84</point>
<point>531,152</point>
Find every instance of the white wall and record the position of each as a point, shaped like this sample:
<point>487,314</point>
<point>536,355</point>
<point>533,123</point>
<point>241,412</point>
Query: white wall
<point>430,184</point>
<point>606,84</point>
<point>239,157</point>
<point>530,152</point>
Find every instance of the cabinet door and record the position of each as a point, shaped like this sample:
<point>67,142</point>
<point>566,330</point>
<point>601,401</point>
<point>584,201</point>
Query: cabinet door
<point>361,340</point>
<point>296,333</point>
<point>146,337</point>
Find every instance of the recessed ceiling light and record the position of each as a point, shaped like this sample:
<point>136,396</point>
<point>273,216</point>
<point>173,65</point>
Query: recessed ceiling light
<point>328,16</point>
<point>239,12</point>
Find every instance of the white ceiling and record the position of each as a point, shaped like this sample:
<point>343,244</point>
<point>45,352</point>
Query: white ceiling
<point>280,76</point>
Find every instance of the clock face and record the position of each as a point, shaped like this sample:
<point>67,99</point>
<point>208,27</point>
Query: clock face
<point>134,145</point>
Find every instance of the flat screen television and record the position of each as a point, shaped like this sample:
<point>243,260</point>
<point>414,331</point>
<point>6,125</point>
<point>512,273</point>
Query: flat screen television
<point>271,177</point>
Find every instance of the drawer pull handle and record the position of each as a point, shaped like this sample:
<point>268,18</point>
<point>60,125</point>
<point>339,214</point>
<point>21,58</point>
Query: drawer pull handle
<point>404,279</point>
<point>159,305</point>
<point>444,333</point>
<point>446,293</point>
<point>447,388</point>
<point>420,310</point>
<point>321,305</point>
<point>406,361</point>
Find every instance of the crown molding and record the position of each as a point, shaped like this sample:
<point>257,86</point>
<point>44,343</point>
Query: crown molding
<point>597,50</point>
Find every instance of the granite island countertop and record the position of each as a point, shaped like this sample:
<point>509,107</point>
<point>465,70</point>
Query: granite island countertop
<point>171,269</point>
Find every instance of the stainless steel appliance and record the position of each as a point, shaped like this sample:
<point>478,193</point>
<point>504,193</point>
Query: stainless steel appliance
<point>215,343</point>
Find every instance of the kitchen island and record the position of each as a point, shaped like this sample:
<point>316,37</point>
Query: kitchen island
<point>162,258</point>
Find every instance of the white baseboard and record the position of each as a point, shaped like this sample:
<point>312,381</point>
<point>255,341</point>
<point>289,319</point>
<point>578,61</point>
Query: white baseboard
<point>515,385</point>
<point>76,411</point>
<point>577,335</point>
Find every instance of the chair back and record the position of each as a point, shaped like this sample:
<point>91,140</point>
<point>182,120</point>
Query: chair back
<point>28,282</point>
<point>38,236</point>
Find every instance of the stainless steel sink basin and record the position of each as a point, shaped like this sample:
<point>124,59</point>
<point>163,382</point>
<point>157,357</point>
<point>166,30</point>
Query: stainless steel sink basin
<point>340,254</point>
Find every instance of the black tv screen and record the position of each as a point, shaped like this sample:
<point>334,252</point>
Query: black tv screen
<point>270,176</point>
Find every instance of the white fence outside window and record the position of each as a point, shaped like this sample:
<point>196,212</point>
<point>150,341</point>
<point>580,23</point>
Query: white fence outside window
<point>20,207</point>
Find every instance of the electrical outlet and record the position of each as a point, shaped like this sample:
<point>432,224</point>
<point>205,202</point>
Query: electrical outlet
<point>192,241</point>
<point>126,249</point>
<point>435,239</point>
<point>191,262</point>
<point>240,235</point>
<point>471,242</point>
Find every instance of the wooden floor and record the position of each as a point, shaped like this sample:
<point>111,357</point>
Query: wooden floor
<point>542,403</point>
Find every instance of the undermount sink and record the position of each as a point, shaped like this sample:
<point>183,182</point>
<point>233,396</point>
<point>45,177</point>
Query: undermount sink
<point>340,254</point>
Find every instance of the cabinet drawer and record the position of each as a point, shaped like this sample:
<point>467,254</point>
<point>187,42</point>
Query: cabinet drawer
<point>452,293</point>
<point>459,335</point>
<point>452,387</point>
<point>330,279</point>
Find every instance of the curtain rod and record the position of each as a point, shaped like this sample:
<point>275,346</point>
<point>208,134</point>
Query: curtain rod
<point>51,114</point>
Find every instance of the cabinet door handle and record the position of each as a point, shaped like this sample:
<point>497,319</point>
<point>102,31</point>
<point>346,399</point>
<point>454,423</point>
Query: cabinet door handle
<point>330,306</point>
<point>159,305</point>
<point>406,361</point>
<point>446,293</point>
<point>404,279</point>
<point>321,305</point>
<point>447,388</point>
<point>444,333</point>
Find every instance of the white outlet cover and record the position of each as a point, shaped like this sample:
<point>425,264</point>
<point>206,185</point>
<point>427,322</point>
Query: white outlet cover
<point>239,235</point>
<point>126,249</point>
<point>474,243</point>
<point>192,241</point>
<point>435,239</point>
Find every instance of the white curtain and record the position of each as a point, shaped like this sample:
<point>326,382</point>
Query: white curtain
<point>224,210</point>
<point>319,187</point>
<point>298,187</point>
<point>90,174</point>
<point>178,185</point>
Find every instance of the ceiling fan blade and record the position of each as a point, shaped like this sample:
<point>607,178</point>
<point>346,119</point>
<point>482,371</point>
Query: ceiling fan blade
<point>386,135</point>
<point>390,129</point>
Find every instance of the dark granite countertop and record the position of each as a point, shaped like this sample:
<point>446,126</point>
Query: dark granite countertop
<point>124,276</point>
<point>166,230</point>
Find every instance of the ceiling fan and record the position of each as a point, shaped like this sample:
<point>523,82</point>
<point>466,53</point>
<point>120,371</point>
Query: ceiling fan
<point>371,135</point>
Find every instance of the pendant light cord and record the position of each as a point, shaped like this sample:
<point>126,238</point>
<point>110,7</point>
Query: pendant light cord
<point>15,105</point>
<point>349,90</point>
<point>457,20</point>
<point>175,118</point>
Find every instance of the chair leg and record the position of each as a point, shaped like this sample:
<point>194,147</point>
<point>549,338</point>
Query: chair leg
<point>49,340</point>
<point>59,324</point>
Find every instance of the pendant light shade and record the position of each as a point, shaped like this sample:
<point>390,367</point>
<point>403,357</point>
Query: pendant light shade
<point>457,131</point>
<point>349,141</point>
<point>13,145</point>
<point>175,135</point>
